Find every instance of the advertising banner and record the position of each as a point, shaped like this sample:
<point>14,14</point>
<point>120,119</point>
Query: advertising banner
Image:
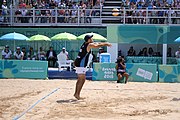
<point>23,69</point>
<point>137,72</point>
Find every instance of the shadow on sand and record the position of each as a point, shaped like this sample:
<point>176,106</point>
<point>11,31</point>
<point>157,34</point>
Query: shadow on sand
<point>74,101</point>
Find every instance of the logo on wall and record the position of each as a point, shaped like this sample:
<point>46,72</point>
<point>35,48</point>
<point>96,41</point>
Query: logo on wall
<point>145,74</point>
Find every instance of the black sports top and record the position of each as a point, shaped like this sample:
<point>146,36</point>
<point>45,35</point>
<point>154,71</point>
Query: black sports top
<point>83,56</point>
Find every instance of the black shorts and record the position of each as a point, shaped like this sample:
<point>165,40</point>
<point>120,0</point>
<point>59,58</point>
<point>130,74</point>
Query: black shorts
<point>120,73</point>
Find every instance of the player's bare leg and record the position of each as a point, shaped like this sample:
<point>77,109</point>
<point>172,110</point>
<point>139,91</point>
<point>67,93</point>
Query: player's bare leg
<point>119,78</point>
<point>79,85</point>
<point>126,75</point>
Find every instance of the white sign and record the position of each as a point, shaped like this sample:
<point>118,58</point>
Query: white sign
<point>145,74</point>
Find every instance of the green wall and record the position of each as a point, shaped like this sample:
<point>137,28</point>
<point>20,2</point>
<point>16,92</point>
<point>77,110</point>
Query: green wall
<point>143,34</point>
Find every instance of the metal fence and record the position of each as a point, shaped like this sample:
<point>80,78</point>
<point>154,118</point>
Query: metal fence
<point>87,17</point>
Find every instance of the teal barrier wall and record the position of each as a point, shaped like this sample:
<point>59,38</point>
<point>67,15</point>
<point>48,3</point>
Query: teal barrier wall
<point>23,69</point>
<point>169,73</point>
<point>137,72</point>
<point>140,72</point>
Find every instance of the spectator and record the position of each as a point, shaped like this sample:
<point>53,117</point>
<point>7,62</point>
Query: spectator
<point>31,54</point>
<point>169,52</point>
<point>178,53</point>
<point>61,17</point>
<point>18,54</point>
<point>23,14</point>
<point>41,54</point>
<point>4,11</point>
<point>150,52</point>
<point>131,51</point>
<point>144,51</point>
<point>73,16</point>
<point>101,50</point>
<point>6,53</point>
<point>88,14</point>
<point>51,57</point>
<point>64,52</point>
<point>24,53</point>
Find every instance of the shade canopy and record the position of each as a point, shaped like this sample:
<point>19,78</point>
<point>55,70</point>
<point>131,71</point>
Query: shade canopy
<point>177,40</point>
<point>39,38</point>
<point>64,36</point>
<point>14,36</point>
<point>95,36</point>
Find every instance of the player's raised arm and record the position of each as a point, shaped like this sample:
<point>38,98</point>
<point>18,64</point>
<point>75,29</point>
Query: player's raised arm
<point>98,45</point>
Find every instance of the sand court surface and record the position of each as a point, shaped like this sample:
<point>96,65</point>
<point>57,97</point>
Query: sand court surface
<point>104,100</point>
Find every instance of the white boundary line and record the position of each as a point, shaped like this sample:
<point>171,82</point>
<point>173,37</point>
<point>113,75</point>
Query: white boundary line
<point>18,117</point>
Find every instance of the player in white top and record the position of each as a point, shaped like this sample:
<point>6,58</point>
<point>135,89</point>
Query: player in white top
<point>18,54</point>
<point>6,53</point>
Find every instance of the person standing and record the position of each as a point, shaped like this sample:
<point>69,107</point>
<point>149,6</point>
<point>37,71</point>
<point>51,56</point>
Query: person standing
<point>82,60</point>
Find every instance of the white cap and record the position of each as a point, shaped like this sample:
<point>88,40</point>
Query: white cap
<point>17,47</point>
<point>64,48</point>
<point>100,48</point>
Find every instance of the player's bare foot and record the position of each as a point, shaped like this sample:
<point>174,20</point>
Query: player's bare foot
<point>78,97</point>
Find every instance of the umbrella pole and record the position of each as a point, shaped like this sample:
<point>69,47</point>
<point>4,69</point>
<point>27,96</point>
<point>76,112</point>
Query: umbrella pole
<point>14,45</point>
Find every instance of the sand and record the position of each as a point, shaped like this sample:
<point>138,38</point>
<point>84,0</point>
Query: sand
<point>104,100</point>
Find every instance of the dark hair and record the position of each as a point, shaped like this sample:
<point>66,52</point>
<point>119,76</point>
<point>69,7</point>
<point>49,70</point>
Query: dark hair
<point>119,59</point>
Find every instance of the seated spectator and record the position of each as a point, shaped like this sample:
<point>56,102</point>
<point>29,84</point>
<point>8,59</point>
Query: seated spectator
<point>140,53</point>
<point>144,52</point>
<point>41,54</point>
<point>24,53</point>
<point>6,53</point>
<point>169,52</point>
<point>31,54</point>
<point>150,52</point>
<point>64,52</point>
<point>51,56</point>
<point>131,51</point>
<point>101,50</point>
<point>178,53</point>
<point>18,54</point>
